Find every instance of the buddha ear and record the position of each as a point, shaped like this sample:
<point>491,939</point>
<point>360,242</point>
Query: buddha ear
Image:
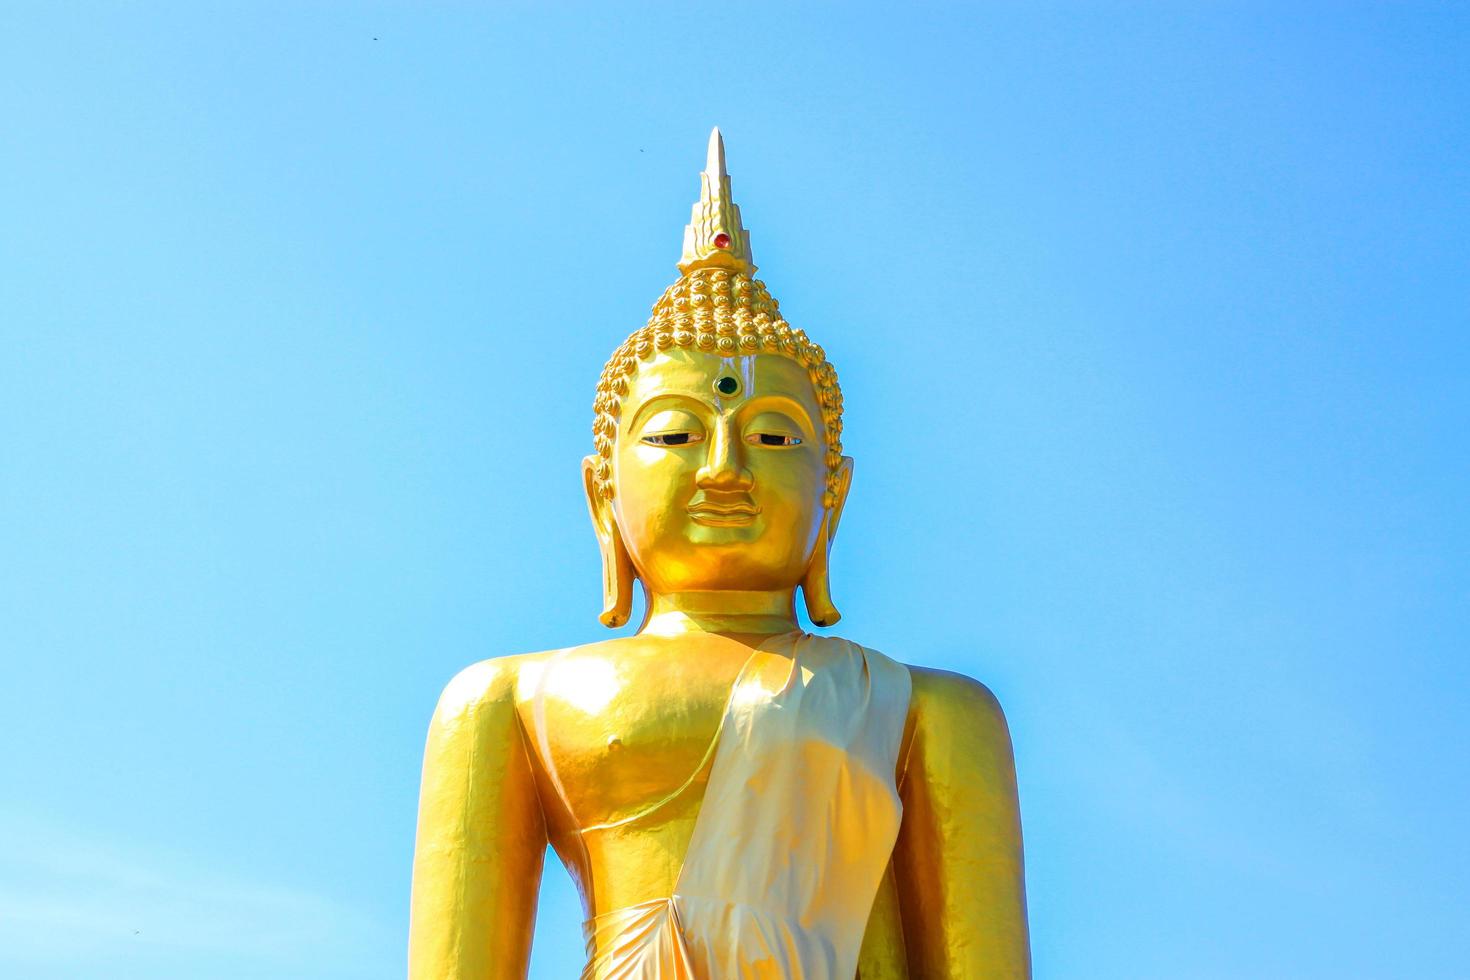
<point>618,574</point>
<point>816,587</point>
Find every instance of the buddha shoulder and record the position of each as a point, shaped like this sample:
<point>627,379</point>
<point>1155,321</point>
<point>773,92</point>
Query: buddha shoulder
<point>949,697</point>
<point>478,693</point>
<point>510,680</point>
<point>951,715</point>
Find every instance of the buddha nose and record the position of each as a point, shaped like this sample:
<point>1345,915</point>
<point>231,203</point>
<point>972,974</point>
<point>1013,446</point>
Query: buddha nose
<point>724,466</point>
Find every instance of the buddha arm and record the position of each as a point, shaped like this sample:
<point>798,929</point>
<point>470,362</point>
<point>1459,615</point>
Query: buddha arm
<point>962,891</point>
<point>481,837</point>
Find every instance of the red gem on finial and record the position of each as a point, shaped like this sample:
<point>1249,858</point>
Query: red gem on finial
<point>722,240</point>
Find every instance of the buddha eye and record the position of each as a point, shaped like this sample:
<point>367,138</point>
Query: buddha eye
<point>771,439</point>
<point>673,439</point>
<point>671,428</point>
<point>773,428</point>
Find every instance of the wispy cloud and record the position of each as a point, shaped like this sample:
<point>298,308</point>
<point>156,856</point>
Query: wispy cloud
<point>70,898</point>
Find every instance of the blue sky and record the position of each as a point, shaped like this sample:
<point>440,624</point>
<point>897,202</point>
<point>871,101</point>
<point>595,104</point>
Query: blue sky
<point>1152,325</point>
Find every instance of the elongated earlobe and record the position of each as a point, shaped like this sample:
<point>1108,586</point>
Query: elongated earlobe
<point>618,574</point>
<point>617,583</point>
<point>816,586</point>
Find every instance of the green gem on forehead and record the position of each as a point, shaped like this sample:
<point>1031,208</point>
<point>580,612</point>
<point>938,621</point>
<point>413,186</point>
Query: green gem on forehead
<point>727,385</point>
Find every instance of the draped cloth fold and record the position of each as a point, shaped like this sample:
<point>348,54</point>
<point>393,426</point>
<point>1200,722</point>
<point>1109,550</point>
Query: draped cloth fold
<point>797,825</point>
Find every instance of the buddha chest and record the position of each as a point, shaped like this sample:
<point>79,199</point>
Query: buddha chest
<point>624,725</point>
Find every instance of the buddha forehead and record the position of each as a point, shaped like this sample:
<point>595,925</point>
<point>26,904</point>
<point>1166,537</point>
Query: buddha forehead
<point>723,382</point>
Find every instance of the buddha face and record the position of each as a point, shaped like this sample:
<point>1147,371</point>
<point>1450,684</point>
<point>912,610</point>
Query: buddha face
<point>719,471</point>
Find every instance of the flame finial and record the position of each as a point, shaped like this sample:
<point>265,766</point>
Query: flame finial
<point>714,236</point>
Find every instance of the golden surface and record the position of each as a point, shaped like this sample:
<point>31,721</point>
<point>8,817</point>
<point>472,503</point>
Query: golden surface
<point>799,815</point>
<point>732,797</point>
<point>715,214</point>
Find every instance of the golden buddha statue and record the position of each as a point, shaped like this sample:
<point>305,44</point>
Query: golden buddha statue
<point>732,796</point>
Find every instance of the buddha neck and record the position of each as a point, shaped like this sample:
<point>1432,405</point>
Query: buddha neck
<point>743,613</point>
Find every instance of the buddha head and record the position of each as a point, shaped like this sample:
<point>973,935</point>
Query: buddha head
<point>718,463</point>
